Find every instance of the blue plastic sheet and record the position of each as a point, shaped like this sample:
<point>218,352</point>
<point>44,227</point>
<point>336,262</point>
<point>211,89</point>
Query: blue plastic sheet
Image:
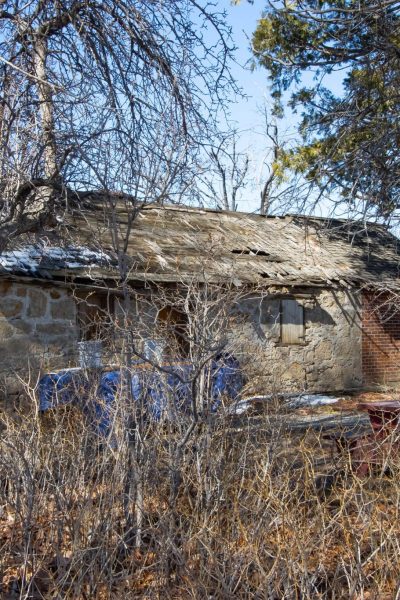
<point>159,394</point>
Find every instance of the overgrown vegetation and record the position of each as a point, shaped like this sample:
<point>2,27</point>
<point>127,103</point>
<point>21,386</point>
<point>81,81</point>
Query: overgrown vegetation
<point>244,513</point>
<point>114,95</point>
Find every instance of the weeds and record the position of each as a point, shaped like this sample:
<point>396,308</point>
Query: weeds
<point>235,515</point>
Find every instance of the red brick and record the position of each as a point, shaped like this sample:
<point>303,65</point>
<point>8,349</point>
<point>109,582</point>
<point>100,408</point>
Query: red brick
<point>380,341</point>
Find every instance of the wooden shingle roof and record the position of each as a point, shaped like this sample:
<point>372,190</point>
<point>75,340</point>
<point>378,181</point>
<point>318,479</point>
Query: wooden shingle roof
<point>178,243</point>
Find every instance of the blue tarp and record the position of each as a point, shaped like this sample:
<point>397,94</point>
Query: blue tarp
<point>158,393</point>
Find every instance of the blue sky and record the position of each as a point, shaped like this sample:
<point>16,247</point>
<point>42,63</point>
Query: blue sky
<point>243,20</point>
<point>245,112</point>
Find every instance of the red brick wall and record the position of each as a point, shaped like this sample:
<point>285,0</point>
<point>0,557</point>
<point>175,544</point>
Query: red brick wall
<point>380,341</point>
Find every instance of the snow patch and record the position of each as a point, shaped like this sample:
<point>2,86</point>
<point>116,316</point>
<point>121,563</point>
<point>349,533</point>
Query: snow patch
<point>239,408</point>
<point>311,400</point>
<point>31,258</point>
<point>246,404</point>
<point>298,401</point>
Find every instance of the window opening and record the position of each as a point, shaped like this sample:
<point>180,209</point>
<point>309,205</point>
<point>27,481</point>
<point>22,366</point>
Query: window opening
<point>95,312</point>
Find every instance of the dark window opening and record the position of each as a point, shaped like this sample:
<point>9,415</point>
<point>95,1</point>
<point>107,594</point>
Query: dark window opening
<point>95,314</point>
<point>174,328</point>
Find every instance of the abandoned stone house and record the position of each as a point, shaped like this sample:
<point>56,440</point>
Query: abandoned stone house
<point>319,310</point>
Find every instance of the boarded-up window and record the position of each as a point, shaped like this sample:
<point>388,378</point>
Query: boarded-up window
<point>292,322</point>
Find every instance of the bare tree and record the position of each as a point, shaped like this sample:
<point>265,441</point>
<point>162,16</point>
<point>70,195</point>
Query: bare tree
<point>271,132</point>
<point>114,94</point>
<point>280,189</point>
<point>226,172</point>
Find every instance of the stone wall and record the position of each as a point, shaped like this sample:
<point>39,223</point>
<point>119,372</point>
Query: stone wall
<point>37,329</point>
<point>329,357</point>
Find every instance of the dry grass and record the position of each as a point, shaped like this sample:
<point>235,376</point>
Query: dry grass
<point>234,515</point>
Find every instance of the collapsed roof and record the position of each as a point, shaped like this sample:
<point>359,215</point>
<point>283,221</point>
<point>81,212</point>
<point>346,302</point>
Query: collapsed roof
<point>176,243</point>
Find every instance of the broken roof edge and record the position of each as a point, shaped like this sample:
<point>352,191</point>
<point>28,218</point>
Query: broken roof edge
<point>102,195</point>
<point>287,216</point>
<point>75,197</point>
<point>92,274</point>
<point>76,278</point>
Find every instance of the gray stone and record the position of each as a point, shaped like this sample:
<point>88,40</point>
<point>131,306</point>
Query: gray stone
<point>19,352</point>
<point>325,362</point>
<point>63,309</point>
<point>53,329</point>
<point>37,303</point>
<point>10,307</point>
<point>23,326</point>
<point>6,330</point>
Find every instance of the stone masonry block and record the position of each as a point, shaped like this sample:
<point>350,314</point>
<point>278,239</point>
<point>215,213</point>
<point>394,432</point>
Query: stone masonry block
<point>52,329</point>
<point>10,307</point>
<point>37,303</point>
<point>6,330</point>
<point>63,309</point>
<point>5,287</point>
<point>21,290</point>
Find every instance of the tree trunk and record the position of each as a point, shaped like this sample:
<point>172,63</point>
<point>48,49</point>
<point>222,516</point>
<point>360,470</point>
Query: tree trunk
<point>46,108</point>
<point>5,84</point>
<point>264,205</point>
